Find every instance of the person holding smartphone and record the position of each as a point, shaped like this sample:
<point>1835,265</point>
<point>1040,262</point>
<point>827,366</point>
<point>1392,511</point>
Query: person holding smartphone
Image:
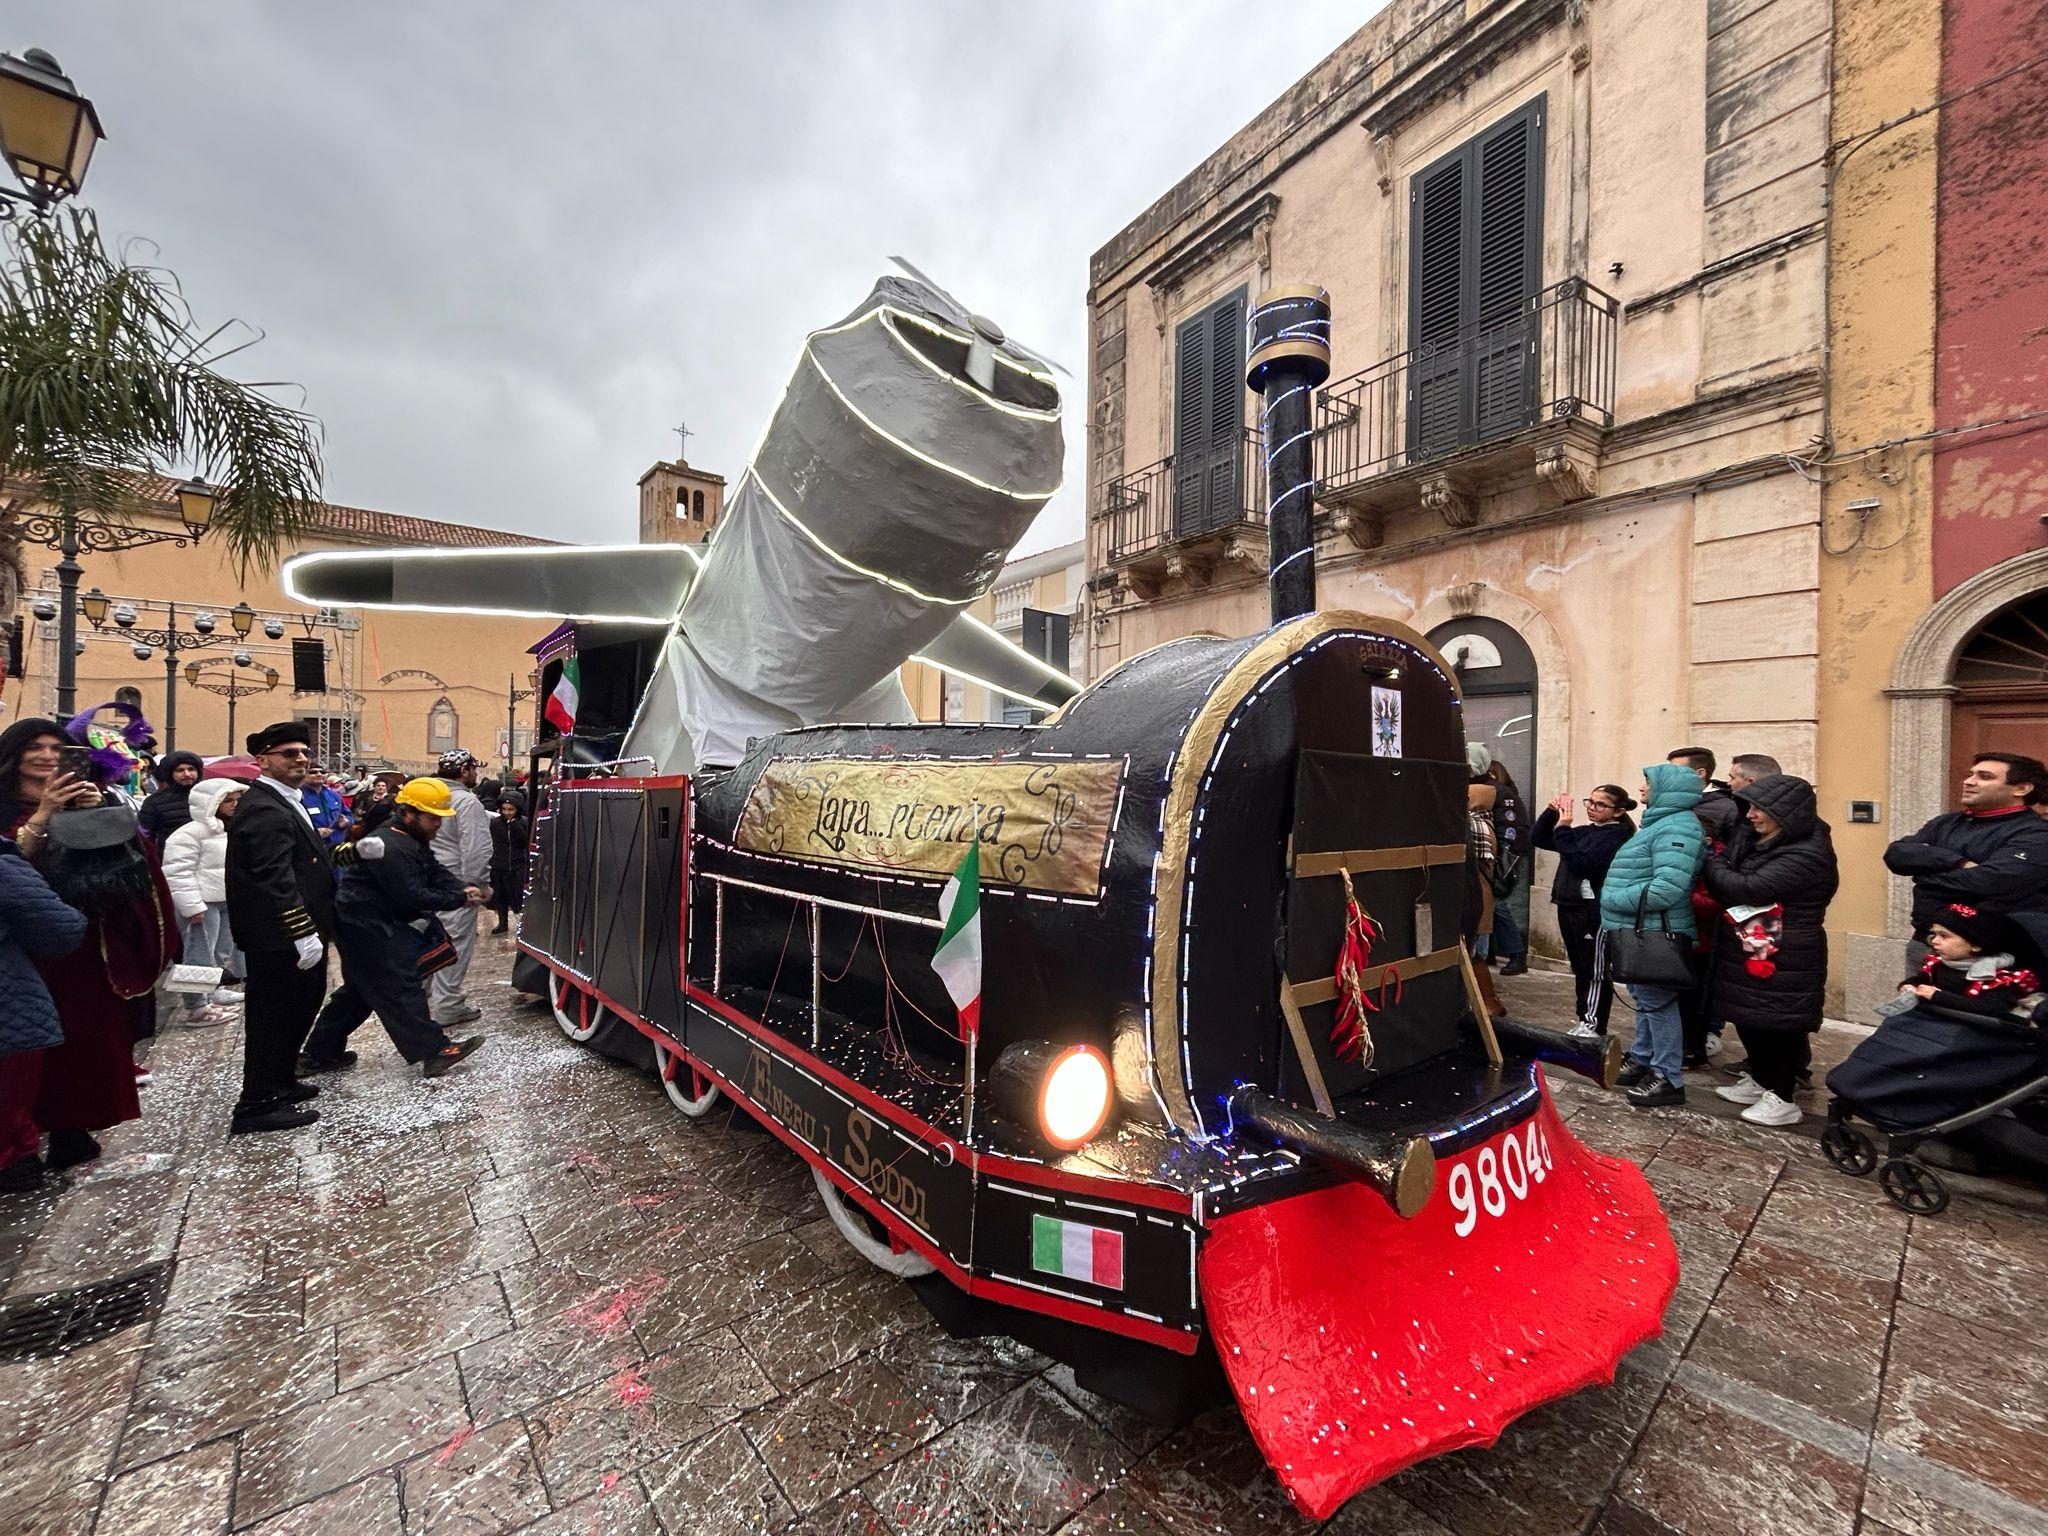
<point>90,850</point>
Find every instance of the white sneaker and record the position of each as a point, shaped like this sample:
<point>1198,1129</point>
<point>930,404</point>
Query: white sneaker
<point>1713,1046</point>
<point>1585,1029</point>
<point>225,997</point>
<point>1772,1110</point>
<point>1744,1090</point>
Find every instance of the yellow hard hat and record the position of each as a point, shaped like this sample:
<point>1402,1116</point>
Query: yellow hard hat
<point>429,795</point>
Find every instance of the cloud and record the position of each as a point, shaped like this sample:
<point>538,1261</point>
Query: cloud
<point>506,248</point>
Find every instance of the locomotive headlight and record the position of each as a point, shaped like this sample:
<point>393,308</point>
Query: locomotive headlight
<point>1062,1091</point>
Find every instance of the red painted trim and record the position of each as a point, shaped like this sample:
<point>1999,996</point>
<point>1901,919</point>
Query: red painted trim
<point>656,781</point>
<point>996,1164</point>
<point>1181,1341</point>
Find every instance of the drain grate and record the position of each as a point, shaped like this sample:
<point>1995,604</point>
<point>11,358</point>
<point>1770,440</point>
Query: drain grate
<point>57,1322</point>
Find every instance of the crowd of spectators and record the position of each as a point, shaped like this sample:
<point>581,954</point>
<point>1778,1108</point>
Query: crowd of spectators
<point>187,892</point>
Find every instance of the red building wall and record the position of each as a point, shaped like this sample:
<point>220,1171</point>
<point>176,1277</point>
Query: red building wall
<point>1991,486</point>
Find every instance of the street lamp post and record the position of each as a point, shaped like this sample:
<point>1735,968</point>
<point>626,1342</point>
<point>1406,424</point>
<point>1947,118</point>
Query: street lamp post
<point>71,535</point>
<point>171,640</point>
<point>231,690</point>
<point>513,694</point>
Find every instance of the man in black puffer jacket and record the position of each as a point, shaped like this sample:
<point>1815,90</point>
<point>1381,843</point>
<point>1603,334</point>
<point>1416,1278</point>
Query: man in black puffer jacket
<point>1993,853</point>
<point>166,811</point>
<point>1773,881</point>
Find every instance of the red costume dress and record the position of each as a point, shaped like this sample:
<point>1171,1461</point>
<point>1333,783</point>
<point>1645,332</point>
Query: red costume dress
<point>105,991</point>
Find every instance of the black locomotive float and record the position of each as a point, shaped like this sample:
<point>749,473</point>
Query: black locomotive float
<point>1232,1110</point>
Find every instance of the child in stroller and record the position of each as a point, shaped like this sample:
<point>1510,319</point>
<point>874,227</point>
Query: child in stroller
<point>1962,1057</point>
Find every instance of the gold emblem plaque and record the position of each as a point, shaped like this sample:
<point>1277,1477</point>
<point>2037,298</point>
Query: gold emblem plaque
<point>1041,826</point>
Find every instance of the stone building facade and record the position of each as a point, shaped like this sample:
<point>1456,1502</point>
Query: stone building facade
<point>400,687</point>
<point>1627,296</point>
<point>1034,597</point>
<point>1575,254</point>
<point>1934,622</point>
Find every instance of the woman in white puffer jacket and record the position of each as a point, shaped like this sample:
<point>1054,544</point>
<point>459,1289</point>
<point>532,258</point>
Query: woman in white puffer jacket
<point>195,860</point>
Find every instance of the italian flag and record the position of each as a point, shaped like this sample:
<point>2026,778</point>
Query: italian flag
<point>560,709</point>
<point>1077,1252</point>
<point>958,957</point>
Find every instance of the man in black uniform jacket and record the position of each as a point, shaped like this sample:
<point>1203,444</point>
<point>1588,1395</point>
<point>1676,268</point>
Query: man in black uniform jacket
<point>395,884</point>
<point>280,887</point>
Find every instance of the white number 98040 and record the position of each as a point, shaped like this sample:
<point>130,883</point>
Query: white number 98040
<point>1490,1180</point>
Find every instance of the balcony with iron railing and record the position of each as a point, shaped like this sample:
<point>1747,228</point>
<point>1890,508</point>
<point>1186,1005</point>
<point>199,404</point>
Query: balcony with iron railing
<point>1187,515</point>
<point>1525,399</point>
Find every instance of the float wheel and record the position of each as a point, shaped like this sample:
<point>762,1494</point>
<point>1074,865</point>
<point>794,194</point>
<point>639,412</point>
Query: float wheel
<point>575,1009</point>
<point>688,1089</point>
<point>1849,1149</point>
<point>1913,1187</point>
<point>866,1236</point>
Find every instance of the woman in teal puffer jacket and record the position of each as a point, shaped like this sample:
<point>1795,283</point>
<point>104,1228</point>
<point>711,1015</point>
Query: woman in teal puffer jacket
<point>1651,878</point>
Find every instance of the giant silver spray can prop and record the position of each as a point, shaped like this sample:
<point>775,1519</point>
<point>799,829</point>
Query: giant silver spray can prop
<point>911,450</point>
<point>912,447</point>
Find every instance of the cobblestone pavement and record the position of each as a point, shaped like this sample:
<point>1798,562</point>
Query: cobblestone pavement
<point>533,1298</point>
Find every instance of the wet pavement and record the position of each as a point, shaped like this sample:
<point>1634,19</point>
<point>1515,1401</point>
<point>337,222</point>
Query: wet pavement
<point>532,1297</point>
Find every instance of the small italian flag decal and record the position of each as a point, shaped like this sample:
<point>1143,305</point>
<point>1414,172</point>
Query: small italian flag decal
<point>958,957</point>
<point>560,708</point>
<point>1077,1252</point>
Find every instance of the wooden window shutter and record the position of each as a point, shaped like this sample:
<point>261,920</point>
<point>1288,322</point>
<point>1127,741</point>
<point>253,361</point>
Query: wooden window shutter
<point>1190,422</point>
<point>1475,252</point>
<point>1437,416</point>
<point>1208,417</point>
<point>1507,253</point>
<point>1226,409</point>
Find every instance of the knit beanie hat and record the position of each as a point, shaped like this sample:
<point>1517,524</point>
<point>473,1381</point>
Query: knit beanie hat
<point>1992,933</point>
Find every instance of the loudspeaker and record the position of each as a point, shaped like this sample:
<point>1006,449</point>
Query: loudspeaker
<point>309,666</point>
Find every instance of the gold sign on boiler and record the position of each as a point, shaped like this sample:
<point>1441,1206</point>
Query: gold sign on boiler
<point>1041,826</point>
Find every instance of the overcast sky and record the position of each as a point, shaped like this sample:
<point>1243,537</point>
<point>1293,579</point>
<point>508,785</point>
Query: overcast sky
<point>506,247</point>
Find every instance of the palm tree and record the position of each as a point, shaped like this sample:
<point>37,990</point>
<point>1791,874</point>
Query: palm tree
<point>104,376</point>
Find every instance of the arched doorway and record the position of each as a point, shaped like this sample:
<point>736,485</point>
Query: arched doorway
<point>2001,682</point>
<point>1497,671</point>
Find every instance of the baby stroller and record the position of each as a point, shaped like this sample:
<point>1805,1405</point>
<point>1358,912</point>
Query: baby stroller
<point>1933,1072</point>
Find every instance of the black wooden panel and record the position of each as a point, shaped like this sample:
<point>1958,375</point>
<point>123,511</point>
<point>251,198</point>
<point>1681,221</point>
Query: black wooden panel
<point>617,925</point>
<point>1348,801</point>
<point>662,912</point>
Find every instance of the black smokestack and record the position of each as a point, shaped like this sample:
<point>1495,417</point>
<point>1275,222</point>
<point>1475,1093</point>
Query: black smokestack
<point>1288,356</point>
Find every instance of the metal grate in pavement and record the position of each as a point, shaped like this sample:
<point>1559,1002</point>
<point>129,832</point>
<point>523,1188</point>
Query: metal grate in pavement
<point>57,1322</point>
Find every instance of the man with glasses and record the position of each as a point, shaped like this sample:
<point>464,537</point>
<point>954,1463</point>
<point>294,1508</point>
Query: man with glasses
<point>1583,854</point>
<point>280,885</point>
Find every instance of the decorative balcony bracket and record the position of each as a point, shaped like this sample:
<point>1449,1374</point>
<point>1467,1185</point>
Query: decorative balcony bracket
<point>1448,502</point>
<point>1189,567</point>
<point>1365,530</point>
<point>1135,586</point>
<point>1567,469</point>
<point>1247,552</point>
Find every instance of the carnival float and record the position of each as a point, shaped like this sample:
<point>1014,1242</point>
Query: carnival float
<point>1142,1033</point>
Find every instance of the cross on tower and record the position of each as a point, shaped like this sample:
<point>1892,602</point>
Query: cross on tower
<point>683,436</point>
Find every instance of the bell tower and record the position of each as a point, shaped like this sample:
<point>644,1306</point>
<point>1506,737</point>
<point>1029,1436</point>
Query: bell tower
<point>678,504</point>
